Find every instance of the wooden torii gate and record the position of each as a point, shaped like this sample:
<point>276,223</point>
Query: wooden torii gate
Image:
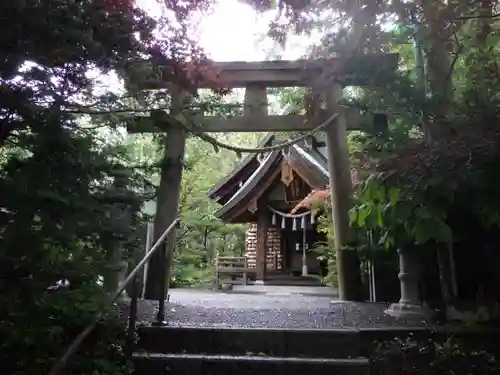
<point>256,77</point>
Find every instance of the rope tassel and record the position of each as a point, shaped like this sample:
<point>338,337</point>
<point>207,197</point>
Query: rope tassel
<point>273,220</point>
<point>294,227</point>
<point>283,222</point>
<point>303,222</point>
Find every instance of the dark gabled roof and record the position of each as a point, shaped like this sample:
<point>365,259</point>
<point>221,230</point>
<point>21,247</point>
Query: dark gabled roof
<point>233,176</point>
<point>310,164</point>
<point>318,156</point>
<point>252,182</point>
<point>314,161</point>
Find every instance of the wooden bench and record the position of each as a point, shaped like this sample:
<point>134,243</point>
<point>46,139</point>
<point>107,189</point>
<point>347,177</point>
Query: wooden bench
<point>231,270</point>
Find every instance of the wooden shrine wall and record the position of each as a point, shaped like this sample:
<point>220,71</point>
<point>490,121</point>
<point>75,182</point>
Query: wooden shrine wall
<point>273,247</point>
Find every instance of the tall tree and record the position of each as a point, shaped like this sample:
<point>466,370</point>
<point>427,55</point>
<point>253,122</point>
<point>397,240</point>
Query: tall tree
<point>65,202</point>
<point>352,27</point>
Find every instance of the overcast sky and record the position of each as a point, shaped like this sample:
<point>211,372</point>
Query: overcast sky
<point>234,32</point>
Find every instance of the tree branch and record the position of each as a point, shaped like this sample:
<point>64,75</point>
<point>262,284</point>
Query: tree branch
<point>455,58</point>
<point>479,16</point>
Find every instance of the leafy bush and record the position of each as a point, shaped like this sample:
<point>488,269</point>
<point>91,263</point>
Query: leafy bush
<point>57,231</point>
<point>191,275</point>
<point>30,346</point>
<point>411,356</point>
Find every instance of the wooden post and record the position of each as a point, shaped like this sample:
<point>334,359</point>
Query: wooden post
<point>340,187</point>
<point>167,205</point>
<point>217,274</point>
<point>149,244</point>
<point>261,256</point>
<point>245,273</point>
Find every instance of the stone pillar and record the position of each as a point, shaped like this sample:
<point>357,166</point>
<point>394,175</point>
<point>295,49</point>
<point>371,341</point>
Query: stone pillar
<point>261,256</point>
<point>409,276</point>
<point>256,103</point>
<point>121,218</point>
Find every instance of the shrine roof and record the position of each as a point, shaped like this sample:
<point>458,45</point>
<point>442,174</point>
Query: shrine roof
<point>263,169</point>
<point>314,157</point>
<point>232,177</point>
<point>309,163</point>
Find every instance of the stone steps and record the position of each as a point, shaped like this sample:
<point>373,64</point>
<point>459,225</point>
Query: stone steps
<point>199,364</point>
<point>266,351</point>
<point>331,343</point>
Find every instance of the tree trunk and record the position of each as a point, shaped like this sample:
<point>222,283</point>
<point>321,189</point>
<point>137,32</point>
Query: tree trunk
<point>438,45</point>
<point>446,277</point>
<point>483,24</point>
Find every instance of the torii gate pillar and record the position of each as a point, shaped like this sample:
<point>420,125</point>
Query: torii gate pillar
<point>167,205</point>
<point>348,264</point>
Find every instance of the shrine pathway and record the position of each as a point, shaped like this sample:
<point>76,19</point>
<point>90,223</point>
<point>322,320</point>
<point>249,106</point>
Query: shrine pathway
<point>272,308</point>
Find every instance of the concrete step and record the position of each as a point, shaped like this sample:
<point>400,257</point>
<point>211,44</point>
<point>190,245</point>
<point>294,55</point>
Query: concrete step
<point>274,290</point>
<point>198,364</point>
<point>301,343</point>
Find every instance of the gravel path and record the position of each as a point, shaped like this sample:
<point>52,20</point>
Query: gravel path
<point>206,308</point>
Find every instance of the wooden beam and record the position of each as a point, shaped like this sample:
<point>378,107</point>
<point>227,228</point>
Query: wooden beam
<point>259,123</point>
<point>280,73</point>
<point>235,270</point>
<point>216,124</point>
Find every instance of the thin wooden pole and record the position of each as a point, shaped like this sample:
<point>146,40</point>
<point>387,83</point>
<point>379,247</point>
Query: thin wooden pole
<point>245,274</point>
<point>149,243</point>
<point>261,250</point>
<point>340,187</point>
<point>217,274</point>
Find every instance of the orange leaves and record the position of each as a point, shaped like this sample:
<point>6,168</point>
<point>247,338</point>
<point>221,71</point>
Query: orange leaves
<point>313,198</point>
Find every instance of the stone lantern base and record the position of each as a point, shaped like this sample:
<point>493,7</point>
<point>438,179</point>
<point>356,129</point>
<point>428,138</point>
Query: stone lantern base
<point>403,310</point>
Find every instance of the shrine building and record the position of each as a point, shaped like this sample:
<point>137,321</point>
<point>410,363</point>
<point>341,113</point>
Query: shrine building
<point>262,190</point>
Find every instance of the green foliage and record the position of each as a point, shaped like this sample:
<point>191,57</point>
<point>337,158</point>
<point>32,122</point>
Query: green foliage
<point>55,52</point>
<point>481,81</point>
<point>398,218</point>
<point>202,234</point>
<point>412,356</point>
<point>57,230</point>
<point>411,197</point>
<point>326,251</point>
